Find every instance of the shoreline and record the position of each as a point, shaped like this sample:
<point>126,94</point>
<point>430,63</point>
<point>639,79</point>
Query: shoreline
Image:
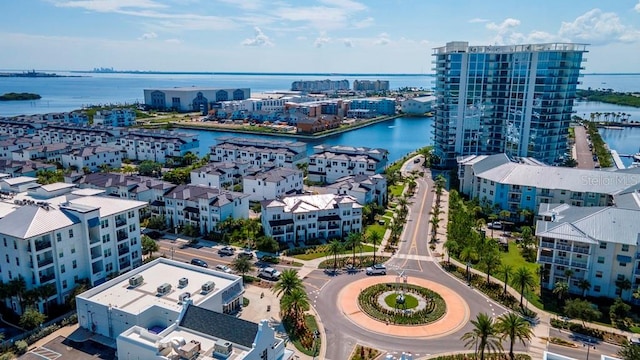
<point>320,135</point>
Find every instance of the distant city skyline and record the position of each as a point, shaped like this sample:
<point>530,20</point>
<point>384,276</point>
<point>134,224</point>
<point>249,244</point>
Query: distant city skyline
<point>333,36</point>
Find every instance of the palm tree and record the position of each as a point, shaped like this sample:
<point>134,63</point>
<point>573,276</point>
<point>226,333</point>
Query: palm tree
<point>335,247</point>
<point>374,237</point>
<point>452,247</point>
<point>354,240</point>
<point>484,335</point>
<point>468,254</point>
<point>636,293</point>
<point>561,288</point>
<point>506,270</point>
<point>584,285</point>
<point>569,273</point>
<point>294,305</point>
<point>524,280</point>
<point>623,285</point>
<point>128,169</point>
<point>491,260</point>
<point>287,282</point>
<point>514,327</point>
<point>45,292</point>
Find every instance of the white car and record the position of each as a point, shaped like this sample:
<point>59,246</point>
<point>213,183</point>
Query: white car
<point>497,225</point>
<point>223,268</point>
<point>377,269</point>
<point>269,273</point>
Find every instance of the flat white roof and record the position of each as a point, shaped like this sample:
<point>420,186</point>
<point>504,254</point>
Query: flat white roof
<point>57,186</point>
<point>108,206</point>
<point>20,180</point>
<point>87,192</point>
<point>119,294</point>
<point>7,208</point>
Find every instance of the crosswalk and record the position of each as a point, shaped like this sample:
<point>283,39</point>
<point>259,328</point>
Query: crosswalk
<point>414,257</point>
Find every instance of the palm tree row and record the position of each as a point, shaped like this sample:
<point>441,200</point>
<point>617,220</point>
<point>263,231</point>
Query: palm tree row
<point>17,288</point>
<point>294,302</point>
<point>488,334</point>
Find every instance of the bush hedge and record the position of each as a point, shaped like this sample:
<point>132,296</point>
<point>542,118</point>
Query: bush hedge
<point>435,309</point>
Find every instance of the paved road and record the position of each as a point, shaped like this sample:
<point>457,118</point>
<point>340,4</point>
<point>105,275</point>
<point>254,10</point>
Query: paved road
<point>595,351</point>
<point>583,153</point>
<point>415,259</point>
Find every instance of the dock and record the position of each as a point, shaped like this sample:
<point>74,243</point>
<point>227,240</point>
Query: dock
<point>617,160</point>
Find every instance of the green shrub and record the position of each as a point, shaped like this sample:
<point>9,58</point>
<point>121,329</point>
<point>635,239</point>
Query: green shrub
<point>21,347</point>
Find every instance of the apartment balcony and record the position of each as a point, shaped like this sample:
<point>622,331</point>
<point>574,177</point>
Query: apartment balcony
<point>277,232</point>
<point>562,261</point>
<point>579,264</point>
<point>46,261</point>
<point>547,259</point>
<point>47,277</point>
<point>581,250</point>
<point>122,251</point>
<point>122,235</point>
<point>334,226</point>
<point>546,244</point>
<point>124,264</point>
<point>41,245</point>
<point>94,240</point>
<point>563,247</point>
<point>638,256</point>
<point>121,221</point>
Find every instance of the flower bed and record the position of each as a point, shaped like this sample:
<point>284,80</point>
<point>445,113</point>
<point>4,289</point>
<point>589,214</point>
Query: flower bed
<point>361,261</point>
<point>472,356</point>
<point>434,310</point>
<point>607,336</point>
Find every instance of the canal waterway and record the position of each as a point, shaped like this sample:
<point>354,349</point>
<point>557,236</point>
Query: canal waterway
<point>400,136</point>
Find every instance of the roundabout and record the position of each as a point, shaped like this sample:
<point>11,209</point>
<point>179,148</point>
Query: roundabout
<point>453,313</point>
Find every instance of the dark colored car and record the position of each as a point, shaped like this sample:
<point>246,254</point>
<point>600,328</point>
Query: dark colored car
<point>200,263</point>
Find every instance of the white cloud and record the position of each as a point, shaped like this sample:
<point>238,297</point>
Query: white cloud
<point>364,23</point>
<point>301,38</point>
<point>173,41</point>
<point>637,7</point>
<point>503,29</point>
<point>348,42</point>
<point>598,27</point>
<point>330,15</point>
<point>321,40</point>
<point>110,5</point>
<point>345,4</point>
<point>260,39</point>
<point>383,39</point>
<point>245,4</point>
<point>478,20</point>
<point>148,36</point>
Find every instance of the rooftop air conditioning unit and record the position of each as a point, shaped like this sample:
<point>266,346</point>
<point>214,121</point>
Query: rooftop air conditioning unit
<point>223,347</point>
<point>136,280</point>
<point>184,296</point>
<point>164,289</point>
<point>182,282</point>
<point>208,286</point>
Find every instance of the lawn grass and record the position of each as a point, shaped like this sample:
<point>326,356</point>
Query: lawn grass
<point>375,227</point>
<point>516,260</point>
<point>319,254</point>
<point>388,213</point>
<point>410,301</point>
<point>396,190</point>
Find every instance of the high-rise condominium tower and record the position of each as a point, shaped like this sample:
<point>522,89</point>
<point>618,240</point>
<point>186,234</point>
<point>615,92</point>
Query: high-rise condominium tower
<point>516,99</point>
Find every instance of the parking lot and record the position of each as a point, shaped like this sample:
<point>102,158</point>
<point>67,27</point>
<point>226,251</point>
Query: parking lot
<point>63,348</point>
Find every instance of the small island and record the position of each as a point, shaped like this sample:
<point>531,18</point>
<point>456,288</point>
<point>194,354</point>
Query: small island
<point>19,96</point>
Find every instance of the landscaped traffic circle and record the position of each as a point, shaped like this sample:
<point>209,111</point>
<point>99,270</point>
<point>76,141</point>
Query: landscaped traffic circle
<point>402,304</point>
<point>454,309</point>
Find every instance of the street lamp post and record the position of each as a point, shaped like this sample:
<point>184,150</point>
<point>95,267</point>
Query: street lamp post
<point>468,273</point>
<point>588,346</point>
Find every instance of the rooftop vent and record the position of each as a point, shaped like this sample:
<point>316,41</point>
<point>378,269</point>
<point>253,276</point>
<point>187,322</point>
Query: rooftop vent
<point>184,296</point>
<point>208,287</point>
<point>136,280</point>
<point>223,347</point>
<point>182,282</point>
<point>164,289</point>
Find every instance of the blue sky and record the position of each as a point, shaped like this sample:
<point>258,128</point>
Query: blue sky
<point>384,36</point>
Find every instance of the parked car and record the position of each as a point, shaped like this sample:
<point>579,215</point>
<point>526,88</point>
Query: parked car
<point>269,273</point>
<point>377,269</point>
<point>246,253</point>
<point>200,263</point>
<point>226,251</point>
<point>223,268</point>
<point>497,225</point>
